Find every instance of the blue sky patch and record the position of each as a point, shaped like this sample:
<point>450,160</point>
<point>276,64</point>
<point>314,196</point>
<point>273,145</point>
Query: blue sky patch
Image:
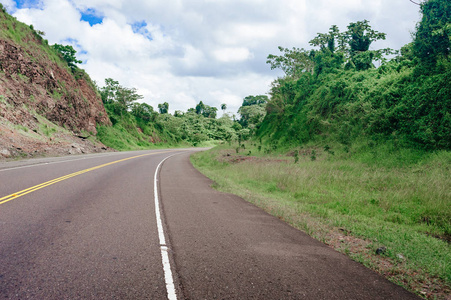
<point>140,28</point>
<point>28,4</point>
<point>91,16</point>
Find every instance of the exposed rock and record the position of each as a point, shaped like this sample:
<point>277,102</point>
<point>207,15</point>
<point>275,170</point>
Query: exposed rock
<point>76,149</point>
<point>5,153</point>
<point>35,88</point>
<point>30,84</point>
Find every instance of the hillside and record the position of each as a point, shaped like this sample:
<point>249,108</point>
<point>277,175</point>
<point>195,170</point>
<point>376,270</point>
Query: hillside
<point>49,106</point>
<point>46,107</point>
<point>345,95</point>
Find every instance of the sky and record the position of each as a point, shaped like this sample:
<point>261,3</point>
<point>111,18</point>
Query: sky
<point>186,51</point>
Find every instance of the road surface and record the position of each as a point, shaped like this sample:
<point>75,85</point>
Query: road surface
<point>147,225</point>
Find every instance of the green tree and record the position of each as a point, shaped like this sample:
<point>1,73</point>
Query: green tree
<point>108,92</point>
<point>126,97</point>
<point>332,49</point>
<point>223,107</point>
<point>332,41</point>
<point>163,108</point>
<point>68,54</point>
<point>209,112</point>
<point>206,110</point>
<point>117,98</point>
<point>335,48</point>
<point>359,37</point>
<point>293,61</point>
<point>433,35</point>
<point>255,100</point>
<point>252,111</point>
<point>143,111</point>
<point>200,108</point>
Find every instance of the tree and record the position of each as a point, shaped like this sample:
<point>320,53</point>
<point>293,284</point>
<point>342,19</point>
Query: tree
<point>433,36</point>
<point>206,110</point>
<point>329,40</point>
<point>68,54</point>
<point>118,98</point>
<point>210,112</point>
<point>335,48</point>
<point>163,108</point>
<point>200,108</point>
<point>359,37</point>
<point>126,97</point>
<point>143,111</point>
<point>332,50</point>
<point>254,100</point>
<point>252,115</point>
<point>108,92</point>
<point>293,61</point>
<point>223,107</point>
<point>252,111</point>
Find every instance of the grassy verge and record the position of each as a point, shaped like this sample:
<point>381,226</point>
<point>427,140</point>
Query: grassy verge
<point>122,139</point>
<point>356,204</point>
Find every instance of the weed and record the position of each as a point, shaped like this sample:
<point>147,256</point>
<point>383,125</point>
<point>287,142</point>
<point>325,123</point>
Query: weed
<point>313,155</point>
<point>56,95</point>
<point>47,130</point>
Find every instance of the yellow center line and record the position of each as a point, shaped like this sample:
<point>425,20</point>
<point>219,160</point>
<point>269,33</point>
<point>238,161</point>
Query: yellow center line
<point>50,182</point>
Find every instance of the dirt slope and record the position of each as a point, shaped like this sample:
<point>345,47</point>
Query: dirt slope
<point>45,107</point>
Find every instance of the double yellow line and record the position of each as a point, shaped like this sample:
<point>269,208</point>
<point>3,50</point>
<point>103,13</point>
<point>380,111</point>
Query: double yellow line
<point>45,184</point>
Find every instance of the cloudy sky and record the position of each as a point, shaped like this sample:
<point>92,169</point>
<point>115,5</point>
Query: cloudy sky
<point>185,51</point>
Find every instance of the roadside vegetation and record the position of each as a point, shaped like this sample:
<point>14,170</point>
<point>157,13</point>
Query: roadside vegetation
<point>357,156</point>
<point>139,126</point>
<point>355,203</point>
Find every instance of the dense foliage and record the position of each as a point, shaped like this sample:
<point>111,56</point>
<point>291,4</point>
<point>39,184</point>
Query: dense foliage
<point>336,94</point>
<point>138,125</point>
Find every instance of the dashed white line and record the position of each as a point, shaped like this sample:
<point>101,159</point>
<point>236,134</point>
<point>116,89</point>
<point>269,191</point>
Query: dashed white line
<point>170,288</point>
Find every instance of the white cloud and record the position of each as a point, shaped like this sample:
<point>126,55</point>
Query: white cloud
<point>210,50</point>
<point>10,5</point>
<point>232,54</point>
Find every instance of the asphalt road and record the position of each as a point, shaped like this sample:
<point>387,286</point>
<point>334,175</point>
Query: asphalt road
<point>92,227</point>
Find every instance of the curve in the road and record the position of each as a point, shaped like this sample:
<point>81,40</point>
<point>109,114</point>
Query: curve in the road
<point>56,180</point>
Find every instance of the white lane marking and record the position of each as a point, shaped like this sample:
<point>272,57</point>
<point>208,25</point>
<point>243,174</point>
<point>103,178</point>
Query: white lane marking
<point>170,288</point>
<point>54,162</point>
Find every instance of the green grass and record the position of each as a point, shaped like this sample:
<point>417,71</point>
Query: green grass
<point>120,138</point>
<point>399,200</point>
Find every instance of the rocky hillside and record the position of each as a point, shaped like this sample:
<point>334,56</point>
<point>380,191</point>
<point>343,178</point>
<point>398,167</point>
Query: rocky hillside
<point>45,106</point>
